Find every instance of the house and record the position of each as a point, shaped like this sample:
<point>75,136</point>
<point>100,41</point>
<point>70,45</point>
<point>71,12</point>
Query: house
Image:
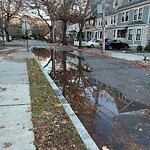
<point>128,20</point>
<point>134,18</point>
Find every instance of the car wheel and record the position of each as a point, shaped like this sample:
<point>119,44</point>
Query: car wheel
<point>110,47</point>
<point>126,47</point>
<point>92,46</point>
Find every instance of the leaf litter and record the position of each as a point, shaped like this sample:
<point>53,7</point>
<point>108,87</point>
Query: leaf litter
<point>50,121</point>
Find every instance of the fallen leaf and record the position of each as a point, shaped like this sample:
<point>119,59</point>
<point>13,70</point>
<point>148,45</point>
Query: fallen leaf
<point>64,121</point>
<point>105,148</point>
<point>7,144</point>
<point>47,112</point>
<point>58,105</point>
<point>76,112</point>
<point>31,129</point>
<point>2,127</point>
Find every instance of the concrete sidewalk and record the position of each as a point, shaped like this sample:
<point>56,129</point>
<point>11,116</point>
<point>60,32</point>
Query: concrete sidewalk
<point>121,54</point>
<point>15,114</point>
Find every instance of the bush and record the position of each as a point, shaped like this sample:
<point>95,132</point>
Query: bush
<point>147,48</point>
<point>49,40</point>
<point>139,48</point>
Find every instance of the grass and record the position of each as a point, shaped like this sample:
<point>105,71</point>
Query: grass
<point>52,126</point>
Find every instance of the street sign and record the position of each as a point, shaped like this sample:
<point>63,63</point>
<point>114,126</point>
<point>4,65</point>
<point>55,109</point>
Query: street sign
<point>25,26</point>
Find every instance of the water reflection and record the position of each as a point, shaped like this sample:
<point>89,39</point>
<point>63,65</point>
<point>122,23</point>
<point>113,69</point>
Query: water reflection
<point>94,103</point>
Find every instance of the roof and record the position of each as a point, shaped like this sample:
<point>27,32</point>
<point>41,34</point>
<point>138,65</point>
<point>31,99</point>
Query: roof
<point>132,3</point>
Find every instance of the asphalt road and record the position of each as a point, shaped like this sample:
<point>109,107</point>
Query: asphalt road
<point>133,82</point>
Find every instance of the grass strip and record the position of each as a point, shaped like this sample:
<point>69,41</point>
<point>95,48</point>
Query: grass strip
<point>52,127</point>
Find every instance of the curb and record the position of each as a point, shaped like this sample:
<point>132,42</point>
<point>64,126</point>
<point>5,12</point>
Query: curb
<point>87,140</point>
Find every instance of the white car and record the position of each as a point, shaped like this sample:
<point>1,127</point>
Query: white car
<point>1,38</point>
<point>76,43</point>
<point>93,43</point>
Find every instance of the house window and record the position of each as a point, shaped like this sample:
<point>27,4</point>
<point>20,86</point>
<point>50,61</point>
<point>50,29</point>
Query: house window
<point>114,33</point>
<point>135,14</point>
<point>127,16</point>
<point>130,37</point>
<point>138,14</point>
<point>138,34</point>
<point>116,3</point>
<point>111,19</point>
<point>95,35</point>
<point>114,19</point>
<point>123,17</point>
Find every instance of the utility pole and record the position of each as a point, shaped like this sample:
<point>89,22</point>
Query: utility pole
<point>103,26</point>
<point>26,35</point>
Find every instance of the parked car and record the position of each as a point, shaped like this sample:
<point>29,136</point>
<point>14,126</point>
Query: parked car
<point>76,43</point>
<point>106,40</point>
<point>1,38</point>
<point>116,44</point>
<point>93,43</point>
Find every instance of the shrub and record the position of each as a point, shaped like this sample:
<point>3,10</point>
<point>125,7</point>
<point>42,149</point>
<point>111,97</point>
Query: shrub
<point>147,48</point>
<point>49,40</point>
<point>139,48</point>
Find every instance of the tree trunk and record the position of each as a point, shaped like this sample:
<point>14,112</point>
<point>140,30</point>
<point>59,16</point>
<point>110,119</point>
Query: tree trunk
<point>81,33</point>
<point>64,61</point>
<point>6,32</point>
<point>64,33</point>
<point>80,38</point>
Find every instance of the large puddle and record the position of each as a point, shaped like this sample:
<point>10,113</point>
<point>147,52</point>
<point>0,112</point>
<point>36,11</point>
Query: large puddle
<point>96,104</point>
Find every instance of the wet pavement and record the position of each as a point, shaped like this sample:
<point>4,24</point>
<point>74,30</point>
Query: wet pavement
<point>111,97</point>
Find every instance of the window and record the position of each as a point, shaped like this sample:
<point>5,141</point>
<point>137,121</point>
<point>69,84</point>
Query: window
<point>135,14</point>
<point>114,33</point>
<point>116,3</point>
<point>95,35</point>
<point>123,17</point>
<point>138,14</point>
<point>112,19</point>
<point>138,34</point>
<point>130,37</point>
<point>127,16</point>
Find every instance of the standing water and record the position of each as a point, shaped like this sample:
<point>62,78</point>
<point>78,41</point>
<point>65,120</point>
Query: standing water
<point>103,110</point>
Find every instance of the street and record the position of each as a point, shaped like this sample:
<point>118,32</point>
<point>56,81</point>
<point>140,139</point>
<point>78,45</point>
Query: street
<point>122,115</point>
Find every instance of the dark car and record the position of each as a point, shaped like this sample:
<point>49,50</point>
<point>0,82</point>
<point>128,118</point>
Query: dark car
<point>116,44</point>
<point>106,41</point>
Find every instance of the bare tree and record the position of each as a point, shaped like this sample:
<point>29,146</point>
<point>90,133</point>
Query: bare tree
<point>85,12</point>
<point>37,7</point>
<point>60,10</point>
<point>10,9</point>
